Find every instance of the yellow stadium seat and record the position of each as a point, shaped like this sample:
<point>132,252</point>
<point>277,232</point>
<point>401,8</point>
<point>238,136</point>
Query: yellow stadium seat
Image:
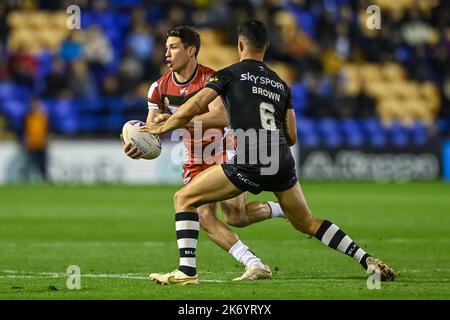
<point>16,19</point>
<point>392,71</point>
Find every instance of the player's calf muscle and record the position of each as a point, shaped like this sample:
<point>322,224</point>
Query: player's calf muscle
<point>236,220</point>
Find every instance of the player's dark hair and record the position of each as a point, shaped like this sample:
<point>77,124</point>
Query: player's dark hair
<point>255,32</point>
<point>187,36</point>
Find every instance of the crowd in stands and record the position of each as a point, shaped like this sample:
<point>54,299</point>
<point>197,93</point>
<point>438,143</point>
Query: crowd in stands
<point>351,84</point>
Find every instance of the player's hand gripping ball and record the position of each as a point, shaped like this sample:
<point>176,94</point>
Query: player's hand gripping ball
<point>148,144</point>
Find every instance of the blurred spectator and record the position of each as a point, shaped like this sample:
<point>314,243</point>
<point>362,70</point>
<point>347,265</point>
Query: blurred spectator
<point>153,64</point>
<point>318,105</point>
<point>416,31</point>
<point>56,81</point>
<point>110,86</point>
<point>23,66</point>
<point>35,138</point>
<point>445,99</point>
<point>80,81</point>
<point>3,26</point>
<point>141,41</point>
<point>4,69</point>
<point>130,72</point>
<point>344,105</point>
<point>72,47</point>
<point>365,105</point>
<point>97,49</point>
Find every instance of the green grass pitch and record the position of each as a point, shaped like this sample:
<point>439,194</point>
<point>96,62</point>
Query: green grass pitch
<point>119,234</point>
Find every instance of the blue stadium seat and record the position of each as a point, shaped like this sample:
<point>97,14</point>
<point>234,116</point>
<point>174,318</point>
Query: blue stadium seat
<point>378,139</point>
<point>87,19</point>
<point>107,20</point>
<point>305,19</point>
<point>443,126</point>
<point>126,3</point>
<point>327,126</point>
<point>352,132</point>
<point>305,125</point>
<point>310,140</point>
<point>92,123</point>
<point>372,125</point>
<point>45,59</point>
<point>333,139</point>
<point>124,20</point>
<point>329,132</point>
<point>15,108</point>
<point>374,132</point>
<point>6,90</point>
<point>299,97</point>
<point>62,108</point>
<point>419,133</point>
<point>355,139</point>
<point>398,135</point>
<point>115,122</point>
<point>69,125</point>
<point>114,104</point>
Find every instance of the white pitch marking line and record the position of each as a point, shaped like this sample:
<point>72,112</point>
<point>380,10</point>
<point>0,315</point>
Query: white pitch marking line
<point>31,275</point>
<point>297,242</point>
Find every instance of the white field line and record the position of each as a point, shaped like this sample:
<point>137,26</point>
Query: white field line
<point>77,243</point>
<point>56,244</point>
<point>31,275</point>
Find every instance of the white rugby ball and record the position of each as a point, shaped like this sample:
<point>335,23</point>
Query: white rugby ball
<point>147,143</point>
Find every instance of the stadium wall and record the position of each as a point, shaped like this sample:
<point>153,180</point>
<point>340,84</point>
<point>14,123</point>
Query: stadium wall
<point>99,161</point>
<point>95,161</point>
<point>371,164</point>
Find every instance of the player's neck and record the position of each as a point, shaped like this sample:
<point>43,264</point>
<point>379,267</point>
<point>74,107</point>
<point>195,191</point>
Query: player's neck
<point>187,72</point>
<point>248,55</point>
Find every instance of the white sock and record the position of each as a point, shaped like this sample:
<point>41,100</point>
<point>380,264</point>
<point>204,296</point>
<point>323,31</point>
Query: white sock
<point>276,210</point>
<point>242,254</point>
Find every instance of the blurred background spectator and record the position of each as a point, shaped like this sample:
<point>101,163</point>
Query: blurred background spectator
<point>93,80</point>
<point>35,138</point>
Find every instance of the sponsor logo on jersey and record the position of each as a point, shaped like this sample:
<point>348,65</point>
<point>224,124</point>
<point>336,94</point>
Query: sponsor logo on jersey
<point>213,79</point>
<point>184,91</point>
<point>261,80</point>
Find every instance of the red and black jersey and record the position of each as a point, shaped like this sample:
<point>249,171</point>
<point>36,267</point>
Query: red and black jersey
<point>167,94</point>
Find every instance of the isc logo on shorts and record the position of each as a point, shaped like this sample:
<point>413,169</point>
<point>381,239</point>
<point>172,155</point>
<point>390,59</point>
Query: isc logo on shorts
<point>247,181</point>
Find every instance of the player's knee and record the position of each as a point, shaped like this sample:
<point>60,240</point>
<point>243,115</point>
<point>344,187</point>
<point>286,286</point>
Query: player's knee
<point>181,200</point>
<point>235,221</point>
<point>303,220</point>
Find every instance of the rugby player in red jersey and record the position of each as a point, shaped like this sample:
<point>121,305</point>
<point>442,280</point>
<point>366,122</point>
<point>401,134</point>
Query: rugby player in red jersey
<point>185,78</point>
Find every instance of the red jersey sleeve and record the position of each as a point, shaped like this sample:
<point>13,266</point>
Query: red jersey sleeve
<point>154,97</point>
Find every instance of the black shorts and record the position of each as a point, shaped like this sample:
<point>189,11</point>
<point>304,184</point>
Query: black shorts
<point>249,177</point>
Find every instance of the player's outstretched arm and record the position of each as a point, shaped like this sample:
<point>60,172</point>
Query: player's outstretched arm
<point>185,112</point>
<point>152,114</point>
<point>216,117</point>
<point>290,127</point>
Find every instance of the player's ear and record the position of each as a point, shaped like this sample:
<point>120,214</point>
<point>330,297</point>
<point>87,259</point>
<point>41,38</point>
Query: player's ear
<point>192,51</point>
<point>241,45</point>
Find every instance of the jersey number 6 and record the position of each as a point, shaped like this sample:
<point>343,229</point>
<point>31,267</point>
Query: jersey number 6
<point>267,117</point>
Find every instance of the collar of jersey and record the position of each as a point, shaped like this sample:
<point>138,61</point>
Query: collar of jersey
<point>194,74</point>
<point>252,60</point>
